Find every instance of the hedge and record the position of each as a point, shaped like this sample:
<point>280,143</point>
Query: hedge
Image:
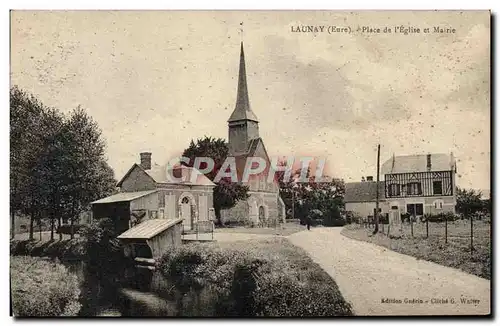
<point>253,278</point>
<point>41,287</point>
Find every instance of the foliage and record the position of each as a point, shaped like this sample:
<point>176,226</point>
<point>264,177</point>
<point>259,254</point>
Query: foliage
<point>64,249</point>
<point>327,197</point>
<point>43,288</point>
<point>256,278</point>
<point>101,245</point>
<point>469,202</point>
<point>57,162</point>
<point>441,217</point>
<point>226,193</point>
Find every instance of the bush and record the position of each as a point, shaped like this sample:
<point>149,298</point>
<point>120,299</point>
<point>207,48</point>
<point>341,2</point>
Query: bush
<point>43,288</point>
<point>64,250</point>
<point>441,217</point>
<point>256,278</point>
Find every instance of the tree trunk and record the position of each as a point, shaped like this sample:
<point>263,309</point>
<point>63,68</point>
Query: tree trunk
<point>59,226</point>
<point>32,223</point>
<point>52,228</point>
<point>12,224</point>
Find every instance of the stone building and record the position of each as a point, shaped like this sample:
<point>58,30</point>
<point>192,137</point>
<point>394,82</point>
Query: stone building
<point>147,192</point>
<point>264,205</point>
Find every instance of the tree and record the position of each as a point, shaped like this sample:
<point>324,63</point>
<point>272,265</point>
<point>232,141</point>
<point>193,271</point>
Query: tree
<point>87,174</point>
<point>304,197</point>
<point>57,162</point>
<point>28,130</point>
<point>226,192</point>
<point>468,202</point>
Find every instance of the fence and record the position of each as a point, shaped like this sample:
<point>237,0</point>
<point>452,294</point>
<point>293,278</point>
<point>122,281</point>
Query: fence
<point>458,230</point>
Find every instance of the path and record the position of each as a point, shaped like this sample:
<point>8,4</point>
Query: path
<point>367,274</point>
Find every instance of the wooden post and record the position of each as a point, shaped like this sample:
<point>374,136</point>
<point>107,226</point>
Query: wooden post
<point>427,227</point>
<point>471,233</point>
<point>377,192</point>
<point>445,229</point>
<point>411,225</point>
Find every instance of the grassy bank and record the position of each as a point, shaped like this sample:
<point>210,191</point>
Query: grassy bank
<point>456,253</point>
<point>41,287</point>
<point>268,277</point>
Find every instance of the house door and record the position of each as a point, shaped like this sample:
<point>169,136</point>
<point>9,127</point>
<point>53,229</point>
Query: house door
<point>395,215</point>
<point>186,213</point>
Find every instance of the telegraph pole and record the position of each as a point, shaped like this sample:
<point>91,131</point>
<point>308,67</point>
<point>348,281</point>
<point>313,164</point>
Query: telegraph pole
<point>377,191</point>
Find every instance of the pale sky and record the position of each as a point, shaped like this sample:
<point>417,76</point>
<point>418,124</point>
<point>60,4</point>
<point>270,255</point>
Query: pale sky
<point>154,80</point>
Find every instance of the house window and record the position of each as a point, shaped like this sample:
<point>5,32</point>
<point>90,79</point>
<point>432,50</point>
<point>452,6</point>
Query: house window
<point>438,204</point>
<point>437,187</point>
<point>414,188</point>
<point>394,190</point>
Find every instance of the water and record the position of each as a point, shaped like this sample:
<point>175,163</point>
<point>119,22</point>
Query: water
<point>125,291</point>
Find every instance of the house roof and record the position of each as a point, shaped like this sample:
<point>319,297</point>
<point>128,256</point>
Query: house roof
<point>417,163</point>
<point>159,174</point>
<point>123,196</point>
<point>148,229</point>
<point>363,191</point>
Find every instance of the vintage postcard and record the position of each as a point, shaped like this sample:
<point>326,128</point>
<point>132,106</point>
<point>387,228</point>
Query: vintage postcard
<point>250,163</point>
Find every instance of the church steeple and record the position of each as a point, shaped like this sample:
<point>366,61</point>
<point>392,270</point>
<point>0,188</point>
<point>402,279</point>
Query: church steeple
<point>242,110</point>
<point>243,123</point>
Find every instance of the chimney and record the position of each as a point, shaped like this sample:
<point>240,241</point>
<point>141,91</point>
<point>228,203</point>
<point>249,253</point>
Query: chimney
<point>369,178</point>
<point>146,160</point>
<point>429,163</point>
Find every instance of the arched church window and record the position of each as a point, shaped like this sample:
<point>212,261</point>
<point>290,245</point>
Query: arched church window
<point>185,200</point>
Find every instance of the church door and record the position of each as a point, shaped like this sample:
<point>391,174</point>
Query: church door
<point>262,214</point>
<point>186,213</point>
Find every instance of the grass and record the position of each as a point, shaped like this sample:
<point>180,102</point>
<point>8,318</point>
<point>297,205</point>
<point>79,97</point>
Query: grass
<point>456,253</point>
<point>41,287</point>
<point>259,277</point>
<point>282,230</point>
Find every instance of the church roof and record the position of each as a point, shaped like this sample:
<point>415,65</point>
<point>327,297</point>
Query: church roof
<point>242,110</point>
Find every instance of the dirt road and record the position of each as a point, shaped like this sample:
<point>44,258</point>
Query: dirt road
<point>378,281</point>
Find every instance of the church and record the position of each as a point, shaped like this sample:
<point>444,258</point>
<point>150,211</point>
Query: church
<point>264,206</point>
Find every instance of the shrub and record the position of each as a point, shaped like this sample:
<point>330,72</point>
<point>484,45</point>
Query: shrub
<point>42,288</point>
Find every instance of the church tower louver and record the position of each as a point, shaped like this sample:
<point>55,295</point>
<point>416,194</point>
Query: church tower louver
<point>264,206</point>
<point>243,123</point>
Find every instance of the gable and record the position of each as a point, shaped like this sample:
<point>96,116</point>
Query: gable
<point>136,179</point>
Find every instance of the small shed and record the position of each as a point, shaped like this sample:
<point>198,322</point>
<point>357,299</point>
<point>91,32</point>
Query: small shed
<point>127,208</point>
<point>151,238</point>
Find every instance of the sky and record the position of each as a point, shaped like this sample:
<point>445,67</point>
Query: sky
<point>154,80</point>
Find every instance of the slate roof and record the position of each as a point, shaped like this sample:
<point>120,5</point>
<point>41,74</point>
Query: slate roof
<point>159,174</point>
<point>356,192</point>
<point>417,163</point>
<point>242,110</point>
<point>148,229</point>
<point>123,197</point>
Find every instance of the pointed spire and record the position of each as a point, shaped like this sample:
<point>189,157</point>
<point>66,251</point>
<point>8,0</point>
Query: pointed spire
<point>242,110</point>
